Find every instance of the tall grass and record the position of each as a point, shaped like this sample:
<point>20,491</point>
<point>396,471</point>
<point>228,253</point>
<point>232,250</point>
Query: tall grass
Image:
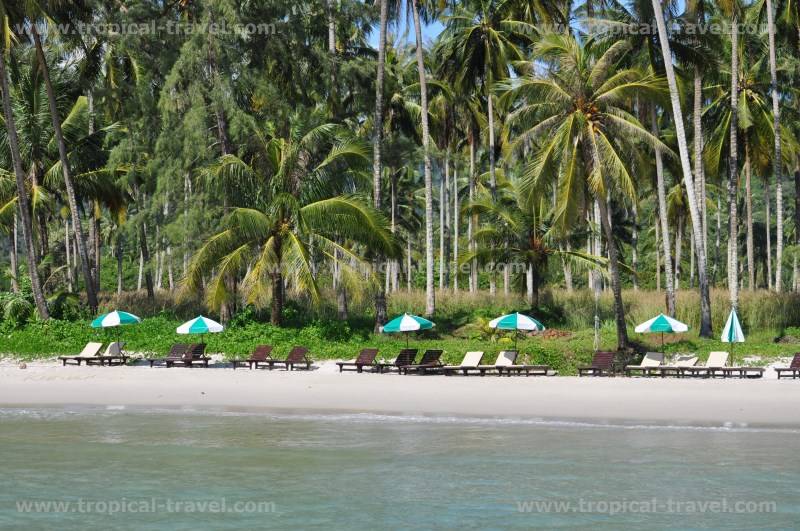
<point>761,310</point>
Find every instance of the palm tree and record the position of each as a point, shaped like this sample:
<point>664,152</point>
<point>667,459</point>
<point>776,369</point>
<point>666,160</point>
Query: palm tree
<point>777,160</point>
<point>430,294</point>
<point>69,186</point>
<point>686,168</point>
<point>476,49</point>
<point>578,121</point>
<point>285,191</point>
<point>8,15</point>
<point>377,138</point>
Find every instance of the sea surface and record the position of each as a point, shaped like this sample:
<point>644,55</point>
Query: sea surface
<point>118,468</point>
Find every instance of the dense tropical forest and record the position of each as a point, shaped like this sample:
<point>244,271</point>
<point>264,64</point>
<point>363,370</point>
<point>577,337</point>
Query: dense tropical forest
<point>280,161</point>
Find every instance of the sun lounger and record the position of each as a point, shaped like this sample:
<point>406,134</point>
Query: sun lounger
<point>713,366</point>
<point>297,357</point>
<point>505,358</point>
<point>194,354</point>
<point>175,354</point>
<point>675,367</point>
<point>405,357</point>
<point>260,354</point>
<point>430,361</point>
<point>89,352</point>
<point>507,365</point>
<point>650,361</point>
<point>113,355</point>
<point>602,365</point>
<point>366,358</point>
<point>743,372</point>
<point>471,361</point>
<point>792,371</point>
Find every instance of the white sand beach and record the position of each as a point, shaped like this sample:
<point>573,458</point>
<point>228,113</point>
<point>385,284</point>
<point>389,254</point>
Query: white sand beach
<point>705,402</point>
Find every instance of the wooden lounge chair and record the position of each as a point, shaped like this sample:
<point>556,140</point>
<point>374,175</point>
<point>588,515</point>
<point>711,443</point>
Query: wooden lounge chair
<point>602,365</point>
<point>405,357</point>
<point>260,354</point>
<point>366,358</point>
<point>793,369</point>
<point>430,361</point>
<point>471,361</point>
<point>175,354</point>
<point>113,355</point>
<point>712,367</point>
<point>650,361</point>
<point>675,367</point>
<point>297,357</point>
<point>89,352</point>
<point>506,358</point>
<point>743,372</point>
<point>508,365</point>
<point>194,354</point>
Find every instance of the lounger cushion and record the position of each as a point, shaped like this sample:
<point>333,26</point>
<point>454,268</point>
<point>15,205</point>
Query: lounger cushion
<point>717,359</point>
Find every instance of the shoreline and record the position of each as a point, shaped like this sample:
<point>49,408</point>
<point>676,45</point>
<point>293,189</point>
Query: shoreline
<point>625,401</point>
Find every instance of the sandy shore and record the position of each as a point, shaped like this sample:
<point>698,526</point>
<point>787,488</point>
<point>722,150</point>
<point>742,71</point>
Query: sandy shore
<point>625,400</point>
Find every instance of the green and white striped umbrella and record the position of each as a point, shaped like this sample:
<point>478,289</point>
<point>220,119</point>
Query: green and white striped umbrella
<point>515,321</point>
<point>407,323</point>
<point>662,324</point>
<point>732,333</point>
<point>115,318</point>
<point>200,325</point>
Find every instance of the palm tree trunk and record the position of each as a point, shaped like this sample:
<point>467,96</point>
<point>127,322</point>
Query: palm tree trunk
<point>635,247</point>
<point>119,264</point>
<point>446,225</point>
<point>796,221</point>
<point>442,203</point>
<point>658,259</point>
<point>456,216</point>
<point>13,258</point>
<point>717,242</point>
<point>67,250</point>
<point>473,218</point>
<point>430,295</point>
<point>777,162</point>
<point>91,294</point>
<point>705,296</point>
<point>768,231</point>
<point>408,263</point>
<point>22,193</point>
<point>377,169</point>
<point>490,109</point>
<point>678,252</point>
<point>751,264</point>
<point>662,217</point>
<point>613,270</point>
<point>733,171</point>
<point>144,262</point>
<point>394,264</point>
<point>699,172</point>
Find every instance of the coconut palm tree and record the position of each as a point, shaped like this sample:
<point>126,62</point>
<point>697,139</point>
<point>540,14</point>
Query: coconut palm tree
<point>91,293</point>
<point>686,168</point>
<point>10,14</point>
<point>377,138</point>
<point>579,121</point>
<point>287,191</point>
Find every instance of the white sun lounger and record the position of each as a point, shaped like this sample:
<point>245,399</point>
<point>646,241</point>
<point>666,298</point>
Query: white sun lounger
<point>650,361</point>
<point>471,361</point>
<point>713,366</point>
<point>90,352</point>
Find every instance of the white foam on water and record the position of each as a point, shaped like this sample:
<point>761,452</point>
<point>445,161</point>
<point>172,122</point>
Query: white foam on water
<point>54,413</point>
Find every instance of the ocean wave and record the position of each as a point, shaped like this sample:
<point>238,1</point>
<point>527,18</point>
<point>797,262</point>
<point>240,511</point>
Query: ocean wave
<point>67,412</point>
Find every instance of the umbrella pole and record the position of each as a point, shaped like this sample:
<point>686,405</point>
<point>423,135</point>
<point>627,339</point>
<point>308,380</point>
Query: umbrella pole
<point>662,342</point>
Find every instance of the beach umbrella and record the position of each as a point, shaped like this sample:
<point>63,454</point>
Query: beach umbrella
<point>115,319</point>
<point>516,321</point>
<point>407,323</point>
<point>663,325</point>
<point>200,325</point>
<point>732,333</point>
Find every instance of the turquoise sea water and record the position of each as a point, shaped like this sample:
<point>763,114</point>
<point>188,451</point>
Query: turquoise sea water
<point>179,469</point>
